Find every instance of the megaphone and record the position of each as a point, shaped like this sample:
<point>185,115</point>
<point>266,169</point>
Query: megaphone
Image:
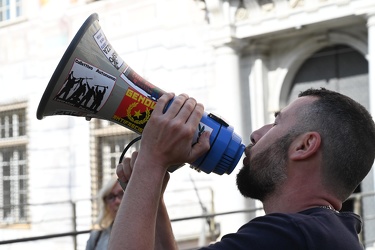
<point>92,81</point>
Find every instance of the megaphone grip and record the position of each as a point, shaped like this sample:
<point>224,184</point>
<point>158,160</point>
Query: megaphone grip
<point>226,147</point>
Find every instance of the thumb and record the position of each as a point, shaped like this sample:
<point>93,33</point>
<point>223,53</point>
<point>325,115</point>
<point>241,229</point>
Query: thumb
<point>202,146</point>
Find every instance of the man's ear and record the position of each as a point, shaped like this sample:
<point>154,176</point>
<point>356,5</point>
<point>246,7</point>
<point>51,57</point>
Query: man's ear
<point>305,145</point>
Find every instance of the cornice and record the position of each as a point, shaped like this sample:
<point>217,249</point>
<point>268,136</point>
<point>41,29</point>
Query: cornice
<point>247,19</point>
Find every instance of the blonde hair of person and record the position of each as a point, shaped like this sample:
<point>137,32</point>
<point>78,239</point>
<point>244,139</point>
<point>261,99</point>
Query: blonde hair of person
<point>105,219</point>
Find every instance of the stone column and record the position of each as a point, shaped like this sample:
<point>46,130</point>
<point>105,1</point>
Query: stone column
<point>371,61</point>
<point>227,91</point>
<point>258,81</point>
<point>368,183</point>
<point>226,96</point>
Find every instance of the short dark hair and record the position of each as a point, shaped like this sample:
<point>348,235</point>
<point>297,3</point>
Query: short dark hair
<point>348,138</point>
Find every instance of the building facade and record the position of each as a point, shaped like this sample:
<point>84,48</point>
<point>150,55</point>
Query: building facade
<point>243,59</point>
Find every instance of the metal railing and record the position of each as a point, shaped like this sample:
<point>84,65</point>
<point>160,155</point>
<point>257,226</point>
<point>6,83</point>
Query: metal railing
<point>74,234</point>
<point>357,205</point>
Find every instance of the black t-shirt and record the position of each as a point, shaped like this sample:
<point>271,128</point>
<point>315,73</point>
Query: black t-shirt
<point>312,229</point>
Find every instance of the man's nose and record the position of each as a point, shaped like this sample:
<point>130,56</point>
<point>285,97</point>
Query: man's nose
<point>257,134</point>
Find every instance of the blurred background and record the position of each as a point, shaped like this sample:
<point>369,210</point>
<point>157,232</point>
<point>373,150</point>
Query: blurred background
<point>243,59</point>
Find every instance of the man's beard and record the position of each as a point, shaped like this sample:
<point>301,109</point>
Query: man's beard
<point>265,171</point>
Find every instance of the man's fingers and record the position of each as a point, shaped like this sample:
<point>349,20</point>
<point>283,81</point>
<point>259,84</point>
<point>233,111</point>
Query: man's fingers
<point>133,158</point>
<point>120,173</point>
<point>124,170</point>
<point>195,114</point>
<point>176,105</point>
<point>202,146</point>
<point>162,103</point>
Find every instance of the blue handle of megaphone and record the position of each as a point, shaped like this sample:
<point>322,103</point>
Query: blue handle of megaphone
<point>226,148</point>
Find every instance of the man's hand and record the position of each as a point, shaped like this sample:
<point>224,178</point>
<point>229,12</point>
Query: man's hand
<point>124,171</point>
<point>168,135</point>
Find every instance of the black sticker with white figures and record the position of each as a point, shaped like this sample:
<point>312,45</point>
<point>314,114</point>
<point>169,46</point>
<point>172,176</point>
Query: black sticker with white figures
<point>86,87</point>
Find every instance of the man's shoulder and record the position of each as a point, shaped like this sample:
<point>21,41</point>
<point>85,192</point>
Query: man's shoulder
<point>309,216</point>
<point>309,229</point>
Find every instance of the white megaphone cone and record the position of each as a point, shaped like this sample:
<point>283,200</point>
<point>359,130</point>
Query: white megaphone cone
<point>92,81</point>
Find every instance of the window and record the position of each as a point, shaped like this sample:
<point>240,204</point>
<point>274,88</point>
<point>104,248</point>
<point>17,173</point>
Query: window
<point>10,9</point>
<point>108,140</point>
<point>13,164</point>
<point>14,184</point>
<point>109,152</point>
<point>12,124</point>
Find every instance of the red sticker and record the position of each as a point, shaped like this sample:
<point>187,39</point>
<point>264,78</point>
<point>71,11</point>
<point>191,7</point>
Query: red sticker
<point>134,111</point>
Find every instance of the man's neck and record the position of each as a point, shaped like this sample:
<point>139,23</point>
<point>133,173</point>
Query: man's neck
<point>298,199</point>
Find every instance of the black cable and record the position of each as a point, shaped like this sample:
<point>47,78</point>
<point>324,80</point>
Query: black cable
<point>127,147</point>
